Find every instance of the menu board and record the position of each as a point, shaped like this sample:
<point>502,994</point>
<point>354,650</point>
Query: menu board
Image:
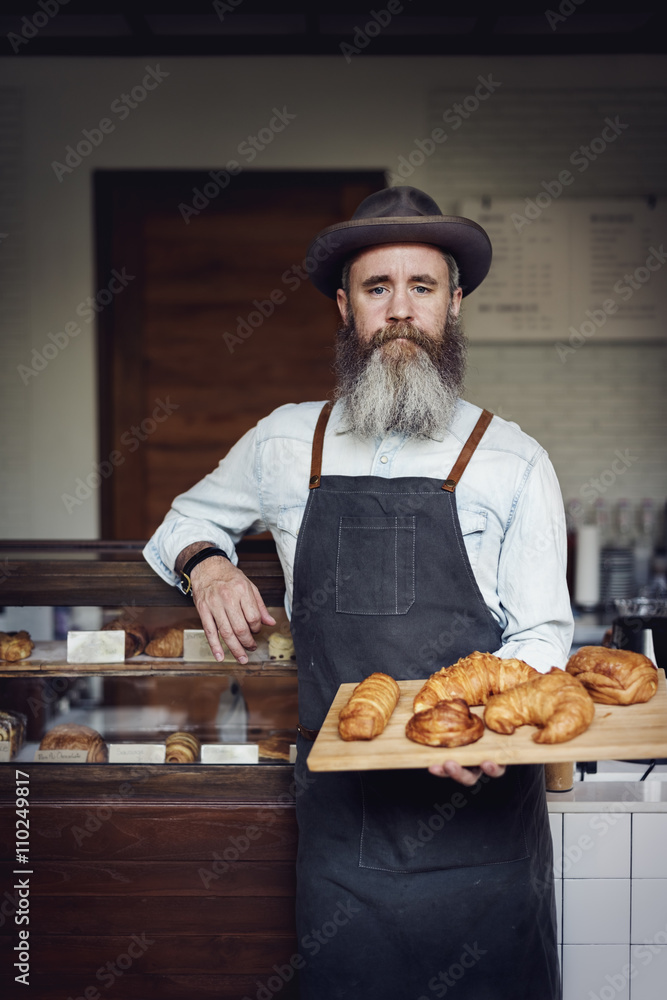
<point>572,269</point>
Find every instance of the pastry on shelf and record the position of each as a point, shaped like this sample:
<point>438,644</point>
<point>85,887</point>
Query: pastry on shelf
<point>369,708</point>
<point>182,748</point>
<point>447,724</point>
<point>12,730</point>
<point>281,647</point>
<point>275,748</point>
<point>73,736</point>
<point>15,646</point>
<point>474,678</point>
<point>136,636</point>
<point>556,702</point>
<point>614,676</point>
<point>167,640</point>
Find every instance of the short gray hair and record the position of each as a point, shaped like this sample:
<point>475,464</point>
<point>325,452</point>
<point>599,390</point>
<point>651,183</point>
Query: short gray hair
<point>452,267</point>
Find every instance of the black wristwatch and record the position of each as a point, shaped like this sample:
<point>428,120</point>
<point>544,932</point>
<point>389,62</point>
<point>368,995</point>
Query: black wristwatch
<point>185,584</point>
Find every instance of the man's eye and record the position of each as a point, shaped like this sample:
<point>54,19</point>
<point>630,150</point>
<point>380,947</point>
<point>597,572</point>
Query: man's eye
<point>378,289</point>
<point>421,288</point>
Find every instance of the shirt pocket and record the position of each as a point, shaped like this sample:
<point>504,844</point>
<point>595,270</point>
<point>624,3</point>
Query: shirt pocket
<point>290,518</point>
<point>375,565</point>
<point>473,525</point>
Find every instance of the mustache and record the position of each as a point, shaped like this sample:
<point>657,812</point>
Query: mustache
<point>402,330</point>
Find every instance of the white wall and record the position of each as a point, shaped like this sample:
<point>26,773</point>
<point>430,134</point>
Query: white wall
<point>363,114</point>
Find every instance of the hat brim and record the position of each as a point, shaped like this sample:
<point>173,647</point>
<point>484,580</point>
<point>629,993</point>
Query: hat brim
<point>464,239</point>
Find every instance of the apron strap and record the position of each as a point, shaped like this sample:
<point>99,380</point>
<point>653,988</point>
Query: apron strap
<point>318,445</point>
<point>467,451</point>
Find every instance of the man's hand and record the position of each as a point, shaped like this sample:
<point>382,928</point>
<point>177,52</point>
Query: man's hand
<point>467,775</point>
<point>229,605</point>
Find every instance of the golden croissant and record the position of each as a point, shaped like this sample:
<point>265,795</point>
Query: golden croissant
<point>555,702</point>
<point>473,678</point>
<point>447,724</point>
<point>369,709</point>
<point>182,748</point>
<point>614,676</point>
<point>15,645</point>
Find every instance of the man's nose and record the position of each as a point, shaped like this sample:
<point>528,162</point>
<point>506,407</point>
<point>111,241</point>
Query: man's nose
<point>400,306</point>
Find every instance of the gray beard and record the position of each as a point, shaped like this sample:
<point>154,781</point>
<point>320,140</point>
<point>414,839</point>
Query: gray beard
<point>414,395</point>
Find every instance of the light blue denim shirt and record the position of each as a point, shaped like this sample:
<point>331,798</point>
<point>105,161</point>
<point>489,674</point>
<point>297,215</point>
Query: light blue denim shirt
<point>508,500</point>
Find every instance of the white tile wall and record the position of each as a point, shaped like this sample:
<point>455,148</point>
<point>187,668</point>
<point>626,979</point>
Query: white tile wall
<point>649,972</point>
<point>649,910</point>
<point>596,972</point>
<point>596,911</point>
<point>649,845</point>
<point>596,845</point>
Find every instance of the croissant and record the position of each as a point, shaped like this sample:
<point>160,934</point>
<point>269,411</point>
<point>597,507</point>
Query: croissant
<point>473,678</point>
<point>182,748</point>
<point>614,676</point>
<point>72,736</point>
<point>556,702</point>
<point>136,636</point>
<point>447,724</point>
<point>167,640</point>
<point>15,645</point>
<point>369,709</point>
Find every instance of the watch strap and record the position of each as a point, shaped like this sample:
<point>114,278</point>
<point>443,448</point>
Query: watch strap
<point>186,583</point>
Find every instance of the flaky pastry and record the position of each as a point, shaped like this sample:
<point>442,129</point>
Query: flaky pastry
<point>369,709</point>
<point>473,678</point>
<point>614,676</point>
<point>167,640</point>
<point>182,748</point>
<point>555,702</point>
<point>136,636</point>
<point>15,645</point>
<point>447,724</point>
<point>72,736</point>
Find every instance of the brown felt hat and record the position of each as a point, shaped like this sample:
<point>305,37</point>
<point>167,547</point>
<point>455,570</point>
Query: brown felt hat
<point>399,215</point>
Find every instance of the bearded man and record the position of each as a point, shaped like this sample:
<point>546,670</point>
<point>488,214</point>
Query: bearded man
<point>435,530</point>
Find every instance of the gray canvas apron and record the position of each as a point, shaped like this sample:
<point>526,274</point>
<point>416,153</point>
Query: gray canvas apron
<point>409,886</point>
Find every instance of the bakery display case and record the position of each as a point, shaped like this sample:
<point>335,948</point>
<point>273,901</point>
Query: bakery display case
<point>162,808</point>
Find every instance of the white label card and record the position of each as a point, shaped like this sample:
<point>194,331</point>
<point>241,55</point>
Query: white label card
<point>196,648</point>
<point>4,750</point>
<point>137,753</point>
<point>230,753</point>
<point>96,647</point>
<point>61,756</point>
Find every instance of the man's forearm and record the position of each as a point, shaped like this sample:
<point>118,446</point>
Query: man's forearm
<point>188,552</point>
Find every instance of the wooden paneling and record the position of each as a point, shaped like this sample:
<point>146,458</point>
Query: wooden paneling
<point>162,339</point>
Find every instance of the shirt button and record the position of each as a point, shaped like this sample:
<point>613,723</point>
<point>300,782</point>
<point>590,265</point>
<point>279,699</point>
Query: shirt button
<point>384,459</point>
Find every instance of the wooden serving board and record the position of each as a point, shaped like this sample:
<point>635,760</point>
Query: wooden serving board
<point>630,732</point>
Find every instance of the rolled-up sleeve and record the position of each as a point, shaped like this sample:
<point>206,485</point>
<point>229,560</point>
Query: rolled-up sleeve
<point>221,508</point>
<point>532,583</point>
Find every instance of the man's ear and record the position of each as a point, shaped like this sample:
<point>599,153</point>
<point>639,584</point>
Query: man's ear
<point>455,304</point>
<point>342,302</point>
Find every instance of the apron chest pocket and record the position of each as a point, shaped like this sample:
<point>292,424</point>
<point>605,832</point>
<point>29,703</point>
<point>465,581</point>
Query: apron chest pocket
<point>375,565</point>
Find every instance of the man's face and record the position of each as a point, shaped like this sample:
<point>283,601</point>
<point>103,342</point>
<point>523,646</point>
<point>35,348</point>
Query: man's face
<point>394,284</point>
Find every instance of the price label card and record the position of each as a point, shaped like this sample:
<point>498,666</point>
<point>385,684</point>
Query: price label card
<point>137,753</point>
<point>196,648</point>
<point>230,753</point>
<point>61,756</point>
<point>96,647</point>
<point>5,747</point>
<point>292,753</point>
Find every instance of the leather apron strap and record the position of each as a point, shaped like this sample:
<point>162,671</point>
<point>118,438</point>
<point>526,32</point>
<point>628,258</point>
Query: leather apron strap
<point>318,446</point>
<point>449,484</point>
<point>467,451</point>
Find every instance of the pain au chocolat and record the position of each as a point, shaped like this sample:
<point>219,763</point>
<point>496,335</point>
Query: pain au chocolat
<point>369,708</point>
<point>614,676</point>
<point>73,736</point>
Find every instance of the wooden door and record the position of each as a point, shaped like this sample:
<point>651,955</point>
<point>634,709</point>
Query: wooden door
<point>211,322</point>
